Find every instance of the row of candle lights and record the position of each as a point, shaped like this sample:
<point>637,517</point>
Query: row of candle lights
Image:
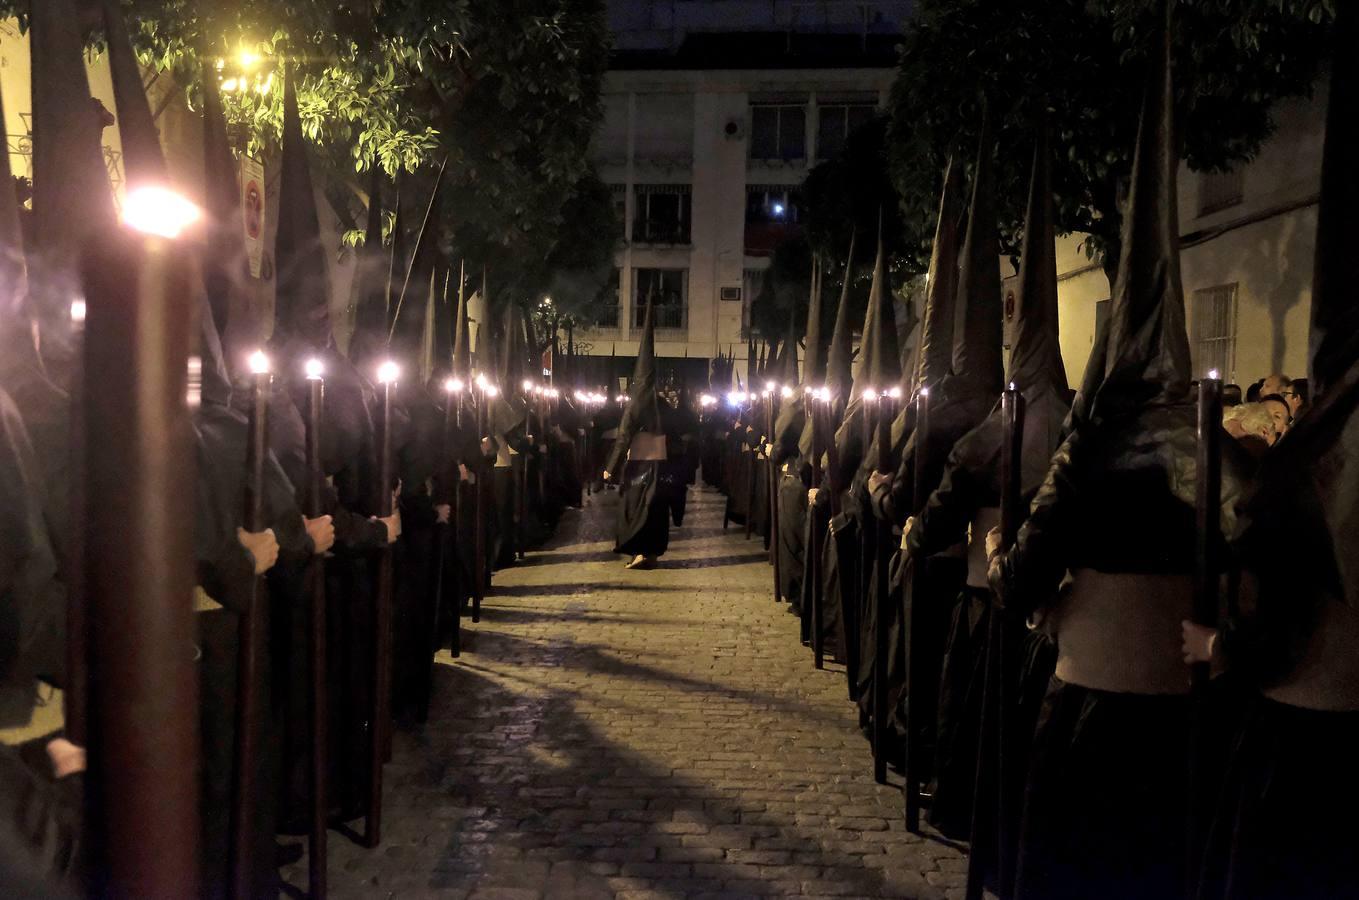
<point>821,394</point>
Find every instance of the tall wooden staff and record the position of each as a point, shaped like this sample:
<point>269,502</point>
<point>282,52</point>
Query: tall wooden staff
<point>752,470</point>
<point>1208,535</point>
<point>382,620</point>
<point>819,401</point>
<point>316,661</point>
<point>772,476</point>
<point>991,817</point>
<point>479,493</point>
<point>455,537</point>
<point>248,650</point>
<point>881,559</point>
<point>914,675</point>
<point>142,786</point>
<point>521,477</point>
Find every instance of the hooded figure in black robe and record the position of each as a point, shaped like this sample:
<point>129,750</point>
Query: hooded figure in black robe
<point>637,461</point>
<point>1285,826</point>
<point>835,383</point>
<point>226,570</point>
<point>302,331</point>
<point>792,420</point>
<point>958,402</point>
<point>965,507</point>
<point>1106,811</point>
<point>854,544</point>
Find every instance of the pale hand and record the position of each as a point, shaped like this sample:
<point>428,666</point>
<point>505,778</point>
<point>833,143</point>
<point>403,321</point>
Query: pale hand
<point>321,530</point>
<point>606,476</point>
<point>993,543</point>
<point>1199,642</point>
<point>393,523</point>
<point>464,474</point>
<point>67,758</point>
<point>877,480</point>
<point>811,496</point>
<point>262,547</point>
<point>442,513</point>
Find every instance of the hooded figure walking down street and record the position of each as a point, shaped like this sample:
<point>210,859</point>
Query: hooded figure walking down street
<point>639,460</point>
<point>1285,825</point>
<point>1106,809</point>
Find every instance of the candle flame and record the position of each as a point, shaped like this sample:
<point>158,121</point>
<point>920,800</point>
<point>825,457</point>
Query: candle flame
<point>388,372</point>
<point>1213,374</point>
<point>258,363</point>
<point>159,211</point>
<point>895,393</point>
<point>870,395</point>
<point>313,368</point>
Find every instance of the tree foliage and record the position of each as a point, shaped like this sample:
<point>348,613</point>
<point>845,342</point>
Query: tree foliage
<point>506,92</point>
<point>1080,65</point>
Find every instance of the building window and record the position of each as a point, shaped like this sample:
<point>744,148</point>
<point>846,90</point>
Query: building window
<point>662,214</point>
<point>778,131</point>
<point>668,290</point>
<point>618,193</point>
<point>1221,190</point>
<point>771,204</point>
<point>836,122</point>
<point>1212,331</point>
<point>610,297</point>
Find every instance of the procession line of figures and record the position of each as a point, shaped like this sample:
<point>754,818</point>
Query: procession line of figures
<point>239,564</point>
<point>1111,645</point>
<point>1105,646</point>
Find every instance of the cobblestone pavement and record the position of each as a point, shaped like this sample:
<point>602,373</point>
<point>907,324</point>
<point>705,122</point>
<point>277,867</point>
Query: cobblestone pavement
<point>651,734</point>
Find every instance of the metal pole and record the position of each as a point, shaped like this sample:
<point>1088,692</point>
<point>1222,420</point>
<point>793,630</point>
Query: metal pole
<point>142,792</point>
<point>479,493</point>
<point>316,662</point>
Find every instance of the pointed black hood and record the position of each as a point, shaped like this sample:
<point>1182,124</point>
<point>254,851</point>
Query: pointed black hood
<point>941,288</point>
<point>814,356</point>
<point>978,324</point>
<point>642,412</point>
<point>1142,357</point>
<point>1035,353</point>
<point>462,339</point>
<point>879,358</point>
<point>840,352</point>
<point>71,196</point>
<point>302,293</point>
<point>368,293</point>
<point>1335,314</point>
<point>224,261</point>
<point>408,319</point>
<point>144,162</point>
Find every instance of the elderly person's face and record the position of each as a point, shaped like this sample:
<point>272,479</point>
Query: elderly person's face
<point>1281,414</point>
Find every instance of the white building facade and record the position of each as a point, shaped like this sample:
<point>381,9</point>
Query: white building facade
<point>704,149</point>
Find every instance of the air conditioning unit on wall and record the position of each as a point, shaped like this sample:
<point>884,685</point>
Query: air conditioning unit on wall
<point>732,293</point>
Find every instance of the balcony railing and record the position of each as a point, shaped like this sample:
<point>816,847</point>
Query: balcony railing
<point>668,318</point>
<point>653,232</point>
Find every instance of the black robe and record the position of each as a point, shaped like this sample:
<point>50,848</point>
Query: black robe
<point>1105,803</point>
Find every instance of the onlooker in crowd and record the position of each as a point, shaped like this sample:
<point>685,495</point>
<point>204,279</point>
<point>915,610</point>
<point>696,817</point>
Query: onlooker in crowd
<point>1252,424</point>
<point>1280,410</point>
<point>1253,392</point>
<point>1231,395</point>
<point>1286,388</point>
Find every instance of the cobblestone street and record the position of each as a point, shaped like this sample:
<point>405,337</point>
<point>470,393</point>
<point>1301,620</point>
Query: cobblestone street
<point>610,733</point>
